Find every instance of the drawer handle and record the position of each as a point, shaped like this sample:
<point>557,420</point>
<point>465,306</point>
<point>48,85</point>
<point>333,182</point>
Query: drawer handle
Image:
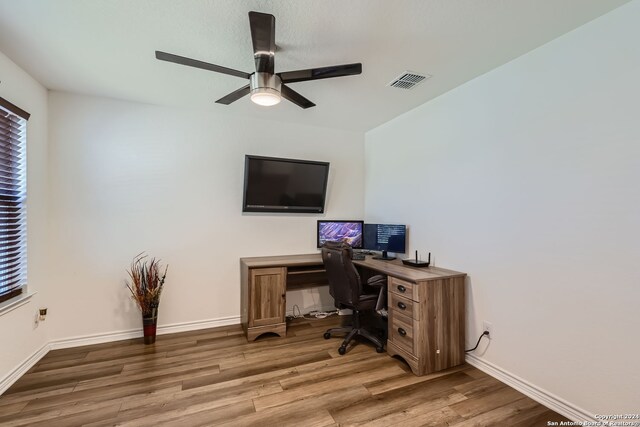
<point>402,332</point>
<point>402,306</point>
<point>402,289</point>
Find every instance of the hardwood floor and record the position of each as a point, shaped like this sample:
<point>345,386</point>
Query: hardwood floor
<point>215,377</point>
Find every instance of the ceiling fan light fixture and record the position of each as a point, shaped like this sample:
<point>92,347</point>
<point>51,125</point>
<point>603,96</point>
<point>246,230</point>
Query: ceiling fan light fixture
<point>265,96</point>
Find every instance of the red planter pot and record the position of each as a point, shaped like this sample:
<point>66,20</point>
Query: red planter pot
<point>149,325</point>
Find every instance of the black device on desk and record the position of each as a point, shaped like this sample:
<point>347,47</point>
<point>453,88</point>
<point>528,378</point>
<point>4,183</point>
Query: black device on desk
<point>358,256</point>
<point>385,238</point>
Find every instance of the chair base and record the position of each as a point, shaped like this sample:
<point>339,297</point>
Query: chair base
<point>353,332</point>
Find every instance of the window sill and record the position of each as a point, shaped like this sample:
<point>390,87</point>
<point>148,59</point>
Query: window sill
<point>16,302</point>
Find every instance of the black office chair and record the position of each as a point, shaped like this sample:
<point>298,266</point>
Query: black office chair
<point>348,291</point>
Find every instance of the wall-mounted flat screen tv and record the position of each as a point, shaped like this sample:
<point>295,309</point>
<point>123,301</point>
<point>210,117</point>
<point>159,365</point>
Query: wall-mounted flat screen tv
<point>284,185</point>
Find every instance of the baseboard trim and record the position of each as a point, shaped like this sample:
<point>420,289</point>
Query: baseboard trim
<point>137,333</point>
<point>538,394</point>
<point>27,364</point>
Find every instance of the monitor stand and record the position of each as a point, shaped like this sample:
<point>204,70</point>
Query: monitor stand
<point>384,257</point>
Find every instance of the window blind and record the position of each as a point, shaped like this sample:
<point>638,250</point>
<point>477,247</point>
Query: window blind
<point>13,198</point>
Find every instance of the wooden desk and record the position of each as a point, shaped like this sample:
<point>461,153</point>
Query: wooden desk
<point>426,305</point>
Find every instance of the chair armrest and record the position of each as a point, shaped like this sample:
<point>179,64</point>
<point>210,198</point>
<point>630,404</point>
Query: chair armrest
<point>379,281</point>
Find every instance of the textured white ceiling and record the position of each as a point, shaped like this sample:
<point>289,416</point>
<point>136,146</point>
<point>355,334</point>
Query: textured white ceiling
<point>106,48</point>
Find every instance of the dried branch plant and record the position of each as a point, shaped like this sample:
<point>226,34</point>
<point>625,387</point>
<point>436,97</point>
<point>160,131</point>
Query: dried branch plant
<point>146,282</point>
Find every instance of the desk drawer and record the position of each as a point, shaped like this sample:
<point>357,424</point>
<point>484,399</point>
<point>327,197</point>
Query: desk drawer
<point>406,289</point>
<point>401,332</point>
<point>404,306</point>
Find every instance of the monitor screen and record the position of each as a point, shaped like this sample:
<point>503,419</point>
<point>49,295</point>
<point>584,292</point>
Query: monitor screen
<point>385,237</point>
<point>337,231</point>
<point>284,185</point>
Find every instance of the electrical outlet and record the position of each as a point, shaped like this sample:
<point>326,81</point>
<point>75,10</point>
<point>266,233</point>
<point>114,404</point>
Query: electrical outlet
<point>488,327</point>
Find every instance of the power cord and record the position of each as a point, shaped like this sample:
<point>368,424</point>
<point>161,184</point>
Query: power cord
<point>478,343</point>
<point>296,314</point>
<point>322,314</point>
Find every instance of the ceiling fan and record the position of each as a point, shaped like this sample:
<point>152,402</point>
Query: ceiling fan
<point>266,86</point>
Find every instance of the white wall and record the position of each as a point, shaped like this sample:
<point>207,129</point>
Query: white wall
<point>527,179</point>
<point>127,178</point>
<point>18,333</point>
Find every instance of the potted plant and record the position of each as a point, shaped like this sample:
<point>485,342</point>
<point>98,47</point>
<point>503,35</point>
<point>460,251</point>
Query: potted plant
<point>145,284</point>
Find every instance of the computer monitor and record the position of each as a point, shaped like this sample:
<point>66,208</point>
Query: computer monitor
<point>385,238</point>
<point>349,231</point>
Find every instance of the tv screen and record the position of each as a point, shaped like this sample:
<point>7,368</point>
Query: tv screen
<point>284,185</point>
<point>338,231</point>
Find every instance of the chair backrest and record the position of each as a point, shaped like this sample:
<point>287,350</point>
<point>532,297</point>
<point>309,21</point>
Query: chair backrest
<point>344,281</point>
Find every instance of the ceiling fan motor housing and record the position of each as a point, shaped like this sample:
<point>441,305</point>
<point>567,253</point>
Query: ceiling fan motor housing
<point>265,82</point>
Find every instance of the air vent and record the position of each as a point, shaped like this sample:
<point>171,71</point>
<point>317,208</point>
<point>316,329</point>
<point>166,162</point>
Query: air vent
<point>408,79</point>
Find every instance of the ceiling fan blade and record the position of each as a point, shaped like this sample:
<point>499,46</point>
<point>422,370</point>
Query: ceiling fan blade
<point>234,96</point>
<point>263,36</point>
<point>169,57</point>
<point>321,73</point>
<point>295,97</point>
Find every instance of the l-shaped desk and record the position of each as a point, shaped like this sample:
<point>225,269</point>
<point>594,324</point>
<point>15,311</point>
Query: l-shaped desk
<point>426,305</point>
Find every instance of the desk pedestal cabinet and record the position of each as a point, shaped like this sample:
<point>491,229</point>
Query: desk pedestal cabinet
<point>426,323</point>
<point>264,282</point>
<point>426,306</point>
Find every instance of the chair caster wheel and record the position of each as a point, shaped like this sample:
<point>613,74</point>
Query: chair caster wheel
<point>327,335</point>
<point>342,350</point>
<point>379,349</point>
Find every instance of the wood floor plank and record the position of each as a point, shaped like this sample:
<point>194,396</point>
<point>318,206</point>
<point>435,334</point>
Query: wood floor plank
<point>211,416</point>
<point>208,410</point>
<point>313,346</point>
<point>169,372</point>
<point>419,416</point>
<point>12,408</point>
<point>104,393</point>
<point>479,387</point>
<point>256,368</point>
<point>328,401</point>
<point>350,357</point>
<point>217,377</point>
<point>158,404</point>
<point>39,380</point>
<point>104,361</point>
<point>499,416</point>
<point>339,371</point>
<point>220,345</point>
<point>282,418</point>
<point>223,387</point>
<point>160,363</point>
<point>322,387</point>
<point>486,401</point>
<point>79,418</point>
<point>383,386</point>
<point>401,399</point>
<point>132,350</point>
<point>52,358</point>
<point>26,396</point>
<point>44,415</point>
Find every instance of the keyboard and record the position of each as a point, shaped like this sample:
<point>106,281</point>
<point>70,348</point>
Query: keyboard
<point>358,257</point>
